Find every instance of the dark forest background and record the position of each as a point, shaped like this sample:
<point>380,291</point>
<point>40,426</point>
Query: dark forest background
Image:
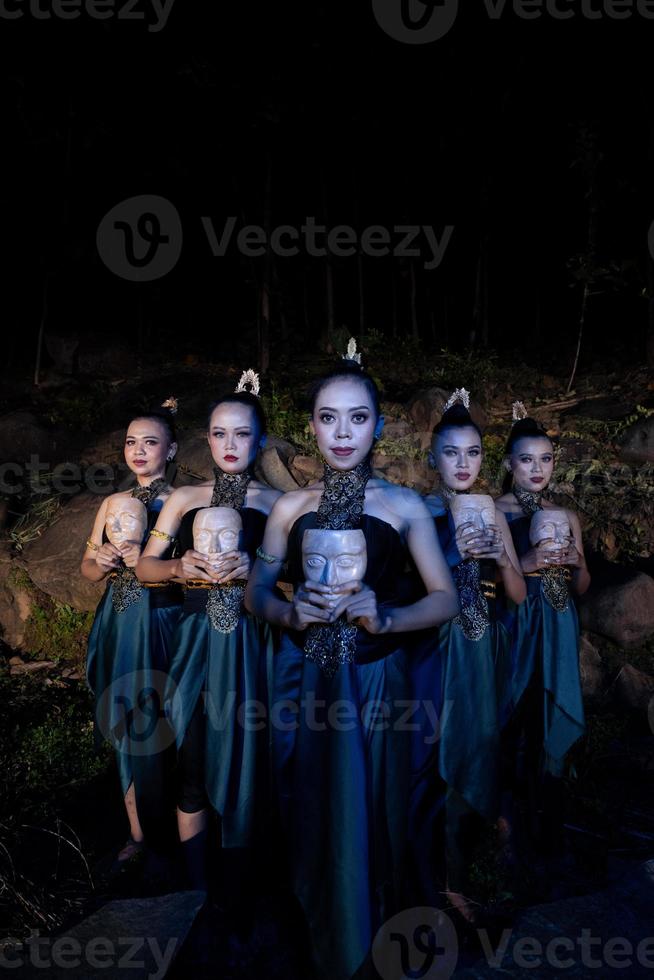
<point>534,139</point>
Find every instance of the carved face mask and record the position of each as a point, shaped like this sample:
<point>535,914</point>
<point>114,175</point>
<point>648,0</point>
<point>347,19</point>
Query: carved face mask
<point>477,509</point>
<point>334,557</point>
<point>126,521</point>
<point>551,526</point>
<point>217,530</point>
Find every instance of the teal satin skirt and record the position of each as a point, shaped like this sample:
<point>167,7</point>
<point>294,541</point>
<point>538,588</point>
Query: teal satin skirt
<point>547,642</point>
<point>232,675</point>
<point>472,683</point>
<point>127,658</point>
<point>341,755</point>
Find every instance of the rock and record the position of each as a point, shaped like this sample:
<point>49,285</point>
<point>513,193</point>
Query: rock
<point>399,429</point>
<point>634,689</point>
<point>577,937</point>
<point>426,408</point>
<point>306,469</point>
<point>621,609</point>
<point>194,462</point>
<point>413,473</point>
<point>53,560</point>
<point>150,931</point>
<point>594,680</point>
<point>108,449</point>
<point>286,449</point>
<point>23,438</point>
<point>273,469</point>
<point>637,442</point>
<point>15,601</point>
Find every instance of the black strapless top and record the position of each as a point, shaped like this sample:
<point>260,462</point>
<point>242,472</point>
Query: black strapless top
<point>254,524</point>
<point>386,554</point>
<point>519,528</point>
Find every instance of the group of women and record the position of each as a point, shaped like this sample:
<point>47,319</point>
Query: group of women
<point>371,723</point>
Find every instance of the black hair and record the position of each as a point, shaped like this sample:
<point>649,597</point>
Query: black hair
<point>162,415</point>
<point>242,398</point>
<point>346,369</point>
<point>456,417</point>
<point>526,428</point>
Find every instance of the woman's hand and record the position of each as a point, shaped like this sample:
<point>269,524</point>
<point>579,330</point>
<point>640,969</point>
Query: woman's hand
<point>491,546</point>
<point>232,565</point>
<point>469,540</point>
<point>542,556</point>
<point>130,553</point>
<point>312,603</point>
<point>108,557</point>
<point>193,564</point>
<point>572,557</point>
<point>360,608</point>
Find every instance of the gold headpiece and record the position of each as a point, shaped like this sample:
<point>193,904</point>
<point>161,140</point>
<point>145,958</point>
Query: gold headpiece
<point>519,411</point>
<point>458,395</point>
<point>251,378</point>
<point>352,354</point>
<point>171,404</point>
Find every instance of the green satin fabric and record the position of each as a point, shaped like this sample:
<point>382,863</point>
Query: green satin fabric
<point>472,682</point>
<point>550,639</point>
<point>232,674</point>
<point>343,782</point>
<point>123,649</point>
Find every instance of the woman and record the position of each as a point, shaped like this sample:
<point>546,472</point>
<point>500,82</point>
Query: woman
<point>132,631</point>
<point>340,676</point>
<point>545,687</point>
<point>222,655</point>
<point>473,647</point>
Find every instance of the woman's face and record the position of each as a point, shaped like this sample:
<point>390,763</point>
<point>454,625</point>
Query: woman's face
<point>233,437</point>
<point>344,422</point>
<point>457,454</point>
<point>532,462</point>
<point>147,448</point>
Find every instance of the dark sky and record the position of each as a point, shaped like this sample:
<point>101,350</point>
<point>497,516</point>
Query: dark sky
<point>533,140</point>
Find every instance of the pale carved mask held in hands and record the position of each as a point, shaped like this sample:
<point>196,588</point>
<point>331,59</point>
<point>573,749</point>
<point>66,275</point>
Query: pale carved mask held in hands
<point>476,509</point>
<point>552,527</point>
<point>217,530</point>
<point>334,558</point>
<point>126,521</point>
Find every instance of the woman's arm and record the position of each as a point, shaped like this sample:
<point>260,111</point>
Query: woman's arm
<point>441,602</point>
<point>151,567</point>
<point>99,559</point>
<point>260,598</point>
<point>575,558</point>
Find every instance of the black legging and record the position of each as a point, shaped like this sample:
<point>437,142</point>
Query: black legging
<point>191,794</point>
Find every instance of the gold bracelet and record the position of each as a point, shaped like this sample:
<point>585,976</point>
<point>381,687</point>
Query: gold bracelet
<point>264,556</point>
<point>91,544</point>
<point>154,533</point>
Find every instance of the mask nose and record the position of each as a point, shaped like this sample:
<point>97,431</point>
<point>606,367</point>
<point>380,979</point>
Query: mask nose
<point>329,576</point>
